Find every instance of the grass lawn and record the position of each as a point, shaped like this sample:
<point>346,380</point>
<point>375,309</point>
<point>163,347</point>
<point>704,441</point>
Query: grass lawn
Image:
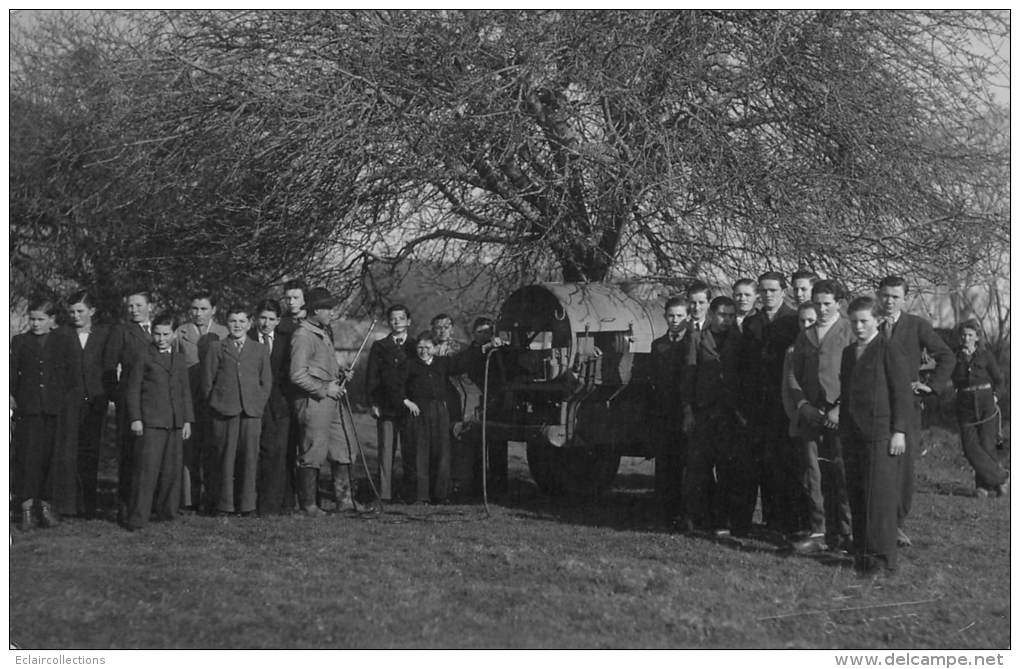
<point>538,573</point>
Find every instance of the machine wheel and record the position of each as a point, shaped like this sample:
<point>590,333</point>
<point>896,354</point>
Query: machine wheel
<point>581,472</point>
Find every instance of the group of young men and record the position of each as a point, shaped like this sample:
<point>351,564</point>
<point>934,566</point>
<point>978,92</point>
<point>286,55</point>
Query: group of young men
<point>227,419</point>
<point>816,412</point>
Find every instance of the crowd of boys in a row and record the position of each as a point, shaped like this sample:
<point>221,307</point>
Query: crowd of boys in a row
<point>231,419</point>
<point>817,412</point>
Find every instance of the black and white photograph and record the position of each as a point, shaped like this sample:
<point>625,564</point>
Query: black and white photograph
<point>403,329</point>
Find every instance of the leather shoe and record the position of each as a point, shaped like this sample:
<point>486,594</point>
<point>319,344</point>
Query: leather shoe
<point>902,540</point>
<point>841,543</point>
<point>812,544</point>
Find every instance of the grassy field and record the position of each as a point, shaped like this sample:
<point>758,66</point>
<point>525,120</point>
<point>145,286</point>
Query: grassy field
<point>538,573</point>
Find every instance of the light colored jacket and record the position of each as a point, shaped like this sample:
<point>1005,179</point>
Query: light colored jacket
<point>313,363</point>
<point>193,343</point>
<point>812,370</point>
<point>815,364</point>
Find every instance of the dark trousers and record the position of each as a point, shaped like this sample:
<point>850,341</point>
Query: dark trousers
<point>783,506</point>
<point>234,466</point>
<point>979,431</point>
<point>90,437</point>
<point>35,439</point>
<point>429,432</point>
<point>716,476</point>
<point>125,456</point>
<point>670,457</point>
<point>197,455</point>
<point>156,473</point>
<point>391,433</point>
<point>275,490</point>
<point>872,478</point>
<point>906,483</point>
<point>824,482</point>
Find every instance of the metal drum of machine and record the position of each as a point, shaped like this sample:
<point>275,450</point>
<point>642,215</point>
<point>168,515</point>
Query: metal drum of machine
<point>574,381</point>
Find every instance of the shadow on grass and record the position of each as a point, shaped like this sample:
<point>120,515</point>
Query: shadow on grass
<point>630,506</point>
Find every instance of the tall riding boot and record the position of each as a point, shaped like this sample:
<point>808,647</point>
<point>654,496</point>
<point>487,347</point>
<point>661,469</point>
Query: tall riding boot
<point>308,483</point>
<point>342,487</point>
<point>46,516</point>
<point>27,517</point>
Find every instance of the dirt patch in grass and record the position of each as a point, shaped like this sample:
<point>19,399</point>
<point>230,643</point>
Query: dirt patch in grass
<point>538,573</point>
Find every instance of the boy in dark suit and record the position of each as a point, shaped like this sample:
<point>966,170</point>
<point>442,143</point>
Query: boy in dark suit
<point>766,336</point>
<point>874,416</point>
<point>914,336</point>
<point>125,344</point>
<point>293,304</point>
<point>384,384</point>
<point>157,398</point>
<point>667,362</point>
<point>801,282</point>
<point>745,296</point>
<point>275,490</point>
<point>294,312</point>
<point>715,478</point>
<point>426,398</point>
<point>193,340</point>
<point>44,379</point>
<point>236,381</point>
<point>90,410</point>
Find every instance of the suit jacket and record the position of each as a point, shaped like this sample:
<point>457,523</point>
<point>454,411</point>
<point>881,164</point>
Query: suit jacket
<point>44,372</point>
<point>710,376</point>
<point>279,364</point>
<point>237,382</point>
<point>193,343</point>
<point>288,325</point>
<point>668,359</point>
<point>912,334</point>
<point>126,343</point>
<point>91,364</point>
<point>814,365</point>
<point>429,382</point>
<point>763,348</point>
<point>387,374</point>
<point>157,391</point>
<point>875,395</point>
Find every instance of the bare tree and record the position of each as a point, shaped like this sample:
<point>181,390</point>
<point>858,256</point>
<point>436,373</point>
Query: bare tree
<point>596,144</point>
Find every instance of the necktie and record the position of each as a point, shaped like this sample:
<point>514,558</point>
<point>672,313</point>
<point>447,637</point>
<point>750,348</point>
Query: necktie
<point>145,327</point>
<point>238,343</point>
<point>674,337</point>
<point>399,341</point>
